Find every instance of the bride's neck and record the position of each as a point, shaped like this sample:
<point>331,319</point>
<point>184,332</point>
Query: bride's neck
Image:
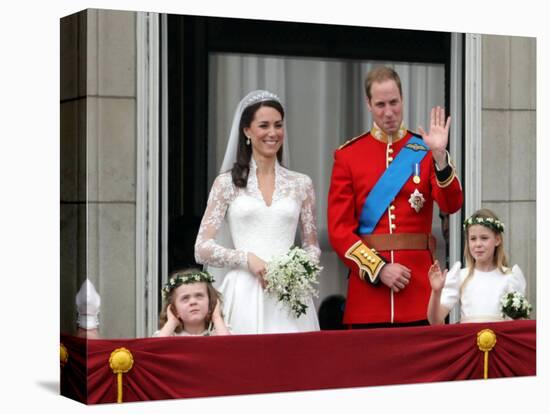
<point>264,165</point>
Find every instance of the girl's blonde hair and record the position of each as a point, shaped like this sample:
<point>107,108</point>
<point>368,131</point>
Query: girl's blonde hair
<point>182,277</point>
<point>489,219</point>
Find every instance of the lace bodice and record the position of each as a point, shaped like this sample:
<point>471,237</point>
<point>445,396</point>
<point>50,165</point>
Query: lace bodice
<point>254,226</point>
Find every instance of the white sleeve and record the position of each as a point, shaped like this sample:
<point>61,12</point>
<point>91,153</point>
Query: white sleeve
<point>207,251</point>
<point>517,281</point>
<point>308,227</point>
<point>450,294</point>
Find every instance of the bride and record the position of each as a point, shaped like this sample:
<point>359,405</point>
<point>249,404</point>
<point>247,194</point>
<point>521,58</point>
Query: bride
<point>261,202</point>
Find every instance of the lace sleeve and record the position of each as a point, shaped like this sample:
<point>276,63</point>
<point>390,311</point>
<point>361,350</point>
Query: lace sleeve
<point>207,250</point>
<point>308,226</point>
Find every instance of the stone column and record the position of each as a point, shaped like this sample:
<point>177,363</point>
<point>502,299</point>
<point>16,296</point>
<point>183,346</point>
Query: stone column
<point>509,145</point>
<point>98,165</point>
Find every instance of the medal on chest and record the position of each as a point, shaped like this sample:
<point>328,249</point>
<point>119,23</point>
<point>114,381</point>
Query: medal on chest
<point>416,176</point>
<point>416,200</point>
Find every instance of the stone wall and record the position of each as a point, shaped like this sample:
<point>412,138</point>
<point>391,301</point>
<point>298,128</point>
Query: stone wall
<point>98,167</point>
<point>508,173</point>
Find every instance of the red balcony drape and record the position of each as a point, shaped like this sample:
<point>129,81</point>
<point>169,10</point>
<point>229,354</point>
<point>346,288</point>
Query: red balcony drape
<point>182,367</point>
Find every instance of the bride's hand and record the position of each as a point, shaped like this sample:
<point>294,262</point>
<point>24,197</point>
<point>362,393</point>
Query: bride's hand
<point>257,267</point>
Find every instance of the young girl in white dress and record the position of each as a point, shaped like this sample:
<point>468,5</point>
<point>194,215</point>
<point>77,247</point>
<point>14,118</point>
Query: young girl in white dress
<point>260,203</point>
<point>191,306</point>
<point>479,286</point>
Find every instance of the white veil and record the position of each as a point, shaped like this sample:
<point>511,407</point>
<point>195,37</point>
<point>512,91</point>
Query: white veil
<point>223,237</point>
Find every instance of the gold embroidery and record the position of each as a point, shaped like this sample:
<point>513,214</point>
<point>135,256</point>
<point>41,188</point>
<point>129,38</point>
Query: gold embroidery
<point>350,141</point>
<point>380,135</point>
<point>367,260</point>
<point>449,180</point>
<point>417,147</point>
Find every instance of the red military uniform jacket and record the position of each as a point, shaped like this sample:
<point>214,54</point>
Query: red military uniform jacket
<point>358,165</point>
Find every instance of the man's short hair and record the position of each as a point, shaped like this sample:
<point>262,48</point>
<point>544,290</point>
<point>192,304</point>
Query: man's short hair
<point>380,74</point>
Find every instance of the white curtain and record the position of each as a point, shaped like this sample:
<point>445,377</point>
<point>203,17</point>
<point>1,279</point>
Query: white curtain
<point>325,105</point>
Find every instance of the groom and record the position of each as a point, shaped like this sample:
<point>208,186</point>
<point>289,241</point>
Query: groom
<point>380,205</point>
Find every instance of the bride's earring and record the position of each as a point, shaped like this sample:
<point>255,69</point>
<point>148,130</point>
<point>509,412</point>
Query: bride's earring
<point>247,140</point>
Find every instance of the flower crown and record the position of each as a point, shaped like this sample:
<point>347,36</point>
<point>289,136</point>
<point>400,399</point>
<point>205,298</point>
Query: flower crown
<point>185,278</point>
<point>260,97</point>
<point>494,224</point>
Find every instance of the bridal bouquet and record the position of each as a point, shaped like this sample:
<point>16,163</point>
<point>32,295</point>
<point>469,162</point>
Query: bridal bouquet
<point>291,277</point>
<point>515,306</point>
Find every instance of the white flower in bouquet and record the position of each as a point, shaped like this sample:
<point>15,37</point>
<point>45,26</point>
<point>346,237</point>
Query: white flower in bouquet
<point>291,278</point>
<point>515,306</point>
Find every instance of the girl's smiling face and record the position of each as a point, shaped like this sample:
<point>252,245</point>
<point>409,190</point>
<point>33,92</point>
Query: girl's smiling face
<point>482,243</point>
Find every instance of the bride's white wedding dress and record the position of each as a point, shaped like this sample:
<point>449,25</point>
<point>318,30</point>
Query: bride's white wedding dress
<point>265,230</point>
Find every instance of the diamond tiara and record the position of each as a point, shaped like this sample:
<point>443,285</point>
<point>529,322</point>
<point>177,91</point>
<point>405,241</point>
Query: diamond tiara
<point>260,97</point>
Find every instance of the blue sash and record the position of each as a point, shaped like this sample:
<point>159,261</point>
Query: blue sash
<point>389,184</point>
